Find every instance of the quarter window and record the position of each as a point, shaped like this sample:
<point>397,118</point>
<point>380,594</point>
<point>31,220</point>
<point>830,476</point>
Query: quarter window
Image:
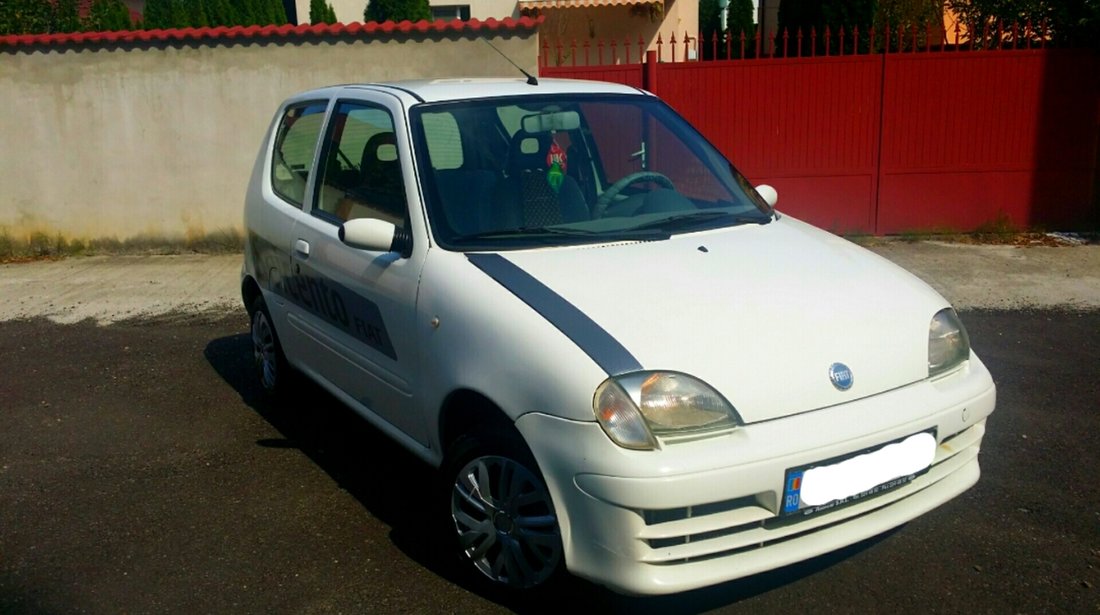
<point>295,144</point>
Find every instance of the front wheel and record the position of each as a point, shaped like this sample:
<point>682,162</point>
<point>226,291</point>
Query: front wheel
<point>503,518</point>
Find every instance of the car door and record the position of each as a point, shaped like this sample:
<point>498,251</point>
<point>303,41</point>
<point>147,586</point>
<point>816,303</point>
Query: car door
<point>355,309</point>
<point>289,175</point>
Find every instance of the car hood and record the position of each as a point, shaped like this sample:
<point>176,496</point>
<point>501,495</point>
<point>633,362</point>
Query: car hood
<point>758,312</point>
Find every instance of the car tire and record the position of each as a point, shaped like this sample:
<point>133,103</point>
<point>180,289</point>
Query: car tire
<point>500,518</point>
<point>272,369</point>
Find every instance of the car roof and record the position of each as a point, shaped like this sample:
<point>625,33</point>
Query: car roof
<point>440,90</point>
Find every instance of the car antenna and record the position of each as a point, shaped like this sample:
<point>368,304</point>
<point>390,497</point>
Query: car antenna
<point>530,78</point>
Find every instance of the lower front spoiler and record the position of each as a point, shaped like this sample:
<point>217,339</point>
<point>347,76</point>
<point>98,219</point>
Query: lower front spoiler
<point>827,532</point>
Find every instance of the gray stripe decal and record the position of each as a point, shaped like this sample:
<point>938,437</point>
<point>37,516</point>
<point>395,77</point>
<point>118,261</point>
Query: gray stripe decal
<point>590,337</point>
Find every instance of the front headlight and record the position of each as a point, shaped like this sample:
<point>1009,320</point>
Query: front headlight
<point>636,408</point>
<point>948,343</point>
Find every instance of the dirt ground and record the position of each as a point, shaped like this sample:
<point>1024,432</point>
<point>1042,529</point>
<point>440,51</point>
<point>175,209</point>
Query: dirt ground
<point>107,289</point>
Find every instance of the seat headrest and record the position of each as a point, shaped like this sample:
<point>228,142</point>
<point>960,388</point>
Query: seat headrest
<point>528,151</point>
<point>380,149</point>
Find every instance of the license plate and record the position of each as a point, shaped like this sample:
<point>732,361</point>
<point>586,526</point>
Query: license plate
<point>835,482</point>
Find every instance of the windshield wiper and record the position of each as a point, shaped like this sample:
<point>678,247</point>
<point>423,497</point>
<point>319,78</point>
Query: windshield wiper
<point>558,233</point>
<point>696,219</point>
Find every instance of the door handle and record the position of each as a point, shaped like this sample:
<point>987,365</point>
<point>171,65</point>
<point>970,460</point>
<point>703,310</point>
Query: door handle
<point>301,248</point>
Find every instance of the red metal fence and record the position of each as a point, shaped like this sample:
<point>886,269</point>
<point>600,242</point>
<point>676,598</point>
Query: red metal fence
<point>926,136</point>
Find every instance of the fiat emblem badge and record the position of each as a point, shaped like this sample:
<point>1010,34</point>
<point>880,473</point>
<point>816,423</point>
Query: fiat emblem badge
<point>840,376</point>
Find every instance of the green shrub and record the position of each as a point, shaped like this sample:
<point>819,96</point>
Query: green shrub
<point>397,10</point>
<point>108,15</point>
<point>321,12</point>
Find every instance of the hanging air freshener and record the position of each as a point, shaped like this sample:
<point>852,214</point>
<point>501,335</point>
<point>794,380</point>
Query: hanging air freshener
<point>557,163</point>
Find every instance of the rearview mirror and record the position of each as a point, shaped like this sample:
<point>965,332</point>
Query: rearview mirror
<point>551,122</point>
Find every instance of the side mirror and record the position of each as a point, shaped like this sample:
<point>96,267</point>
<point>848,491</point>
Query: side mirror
<point>375,235</point>
<point>766,192</point>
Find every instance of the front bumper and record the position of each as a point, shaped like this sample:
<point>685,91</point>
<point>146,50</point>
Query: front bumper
<point>699,513</point>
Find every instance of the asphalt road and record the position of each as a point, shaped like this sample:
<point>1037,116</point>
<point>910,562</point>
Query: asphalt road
<point>140,472</point>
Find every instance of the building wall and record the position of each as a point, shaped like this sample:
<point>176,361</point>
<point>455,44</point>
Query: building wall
<point>619,23</point>
<point>159,140</point>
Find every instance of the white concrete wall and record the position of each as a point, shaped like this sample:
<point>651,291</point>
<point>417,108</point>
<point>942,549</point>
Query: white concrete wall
<point>159,142</point>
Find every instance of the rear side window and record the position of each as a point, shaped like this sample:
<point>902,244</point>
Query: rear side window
<point>295,144</point>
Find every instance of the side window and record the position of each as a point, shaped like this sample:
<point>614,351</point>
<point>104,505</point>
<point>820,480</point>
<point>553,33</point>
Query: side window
<point>295,143</point>
<point>361,168</point>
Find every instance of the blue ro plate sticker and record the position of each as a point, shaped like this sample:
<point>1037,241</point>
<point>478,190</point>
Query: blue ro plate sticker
<point>839,481</point>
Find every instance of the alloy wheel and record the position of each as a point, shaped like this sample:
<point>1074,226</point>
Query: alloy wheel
<point>505,521</point>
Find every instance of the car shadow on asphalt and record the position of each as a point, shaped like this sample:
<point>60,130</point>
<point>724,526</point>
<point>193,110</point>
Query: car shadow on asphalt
<point>341,443</point>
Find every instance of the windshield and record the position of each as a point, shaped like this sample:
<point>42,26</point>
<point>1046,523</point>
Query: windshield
<point>526,171</point>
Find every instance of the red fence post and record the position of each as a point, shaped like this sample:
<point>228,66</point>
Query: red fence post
<point>649,73</point>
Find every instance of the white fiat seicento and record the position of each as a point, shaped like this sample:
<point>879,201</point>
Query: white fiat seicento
<point>624,361</point>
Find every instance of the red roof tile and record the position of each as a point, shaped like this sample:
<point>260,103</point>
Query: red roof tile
<point>270,32</point>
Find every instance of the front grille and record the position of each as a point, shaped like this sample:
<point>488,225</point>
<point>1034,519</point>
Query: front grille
<point>727,527</point>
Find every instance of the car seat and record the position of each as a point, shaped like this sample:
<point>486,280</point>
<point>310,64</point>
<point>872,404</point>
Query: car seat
<point>525,199</point>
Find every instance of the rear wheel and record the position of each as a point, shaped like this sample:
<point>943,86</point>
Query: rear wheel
<point>503,519</point>
<point>272,369</point>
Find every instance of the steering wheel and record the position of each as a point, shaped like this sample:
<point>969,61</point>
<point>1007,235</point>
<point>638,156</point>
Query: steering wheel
<point>641,176</point>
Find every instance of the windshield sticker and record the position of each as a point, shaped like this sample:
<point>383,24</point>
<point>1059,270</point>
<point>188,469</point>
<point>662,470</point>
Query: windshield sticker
<point>557,162</point>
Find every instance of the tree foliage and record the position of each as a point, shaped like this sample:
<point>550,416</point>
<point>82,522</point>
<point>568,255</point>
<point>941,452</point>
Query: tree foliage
<point>198,13</point>
<point>65,17</point>
<point>709,20</point>
<point>25,17</point>
<point>107,15</point>
<point>908,13</point>
<point>57,16</point>
<point>795,15</point>
<point>1069,22</point>
<point>397,10</point>
<point>321,11</point>
<point>739,18</point>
